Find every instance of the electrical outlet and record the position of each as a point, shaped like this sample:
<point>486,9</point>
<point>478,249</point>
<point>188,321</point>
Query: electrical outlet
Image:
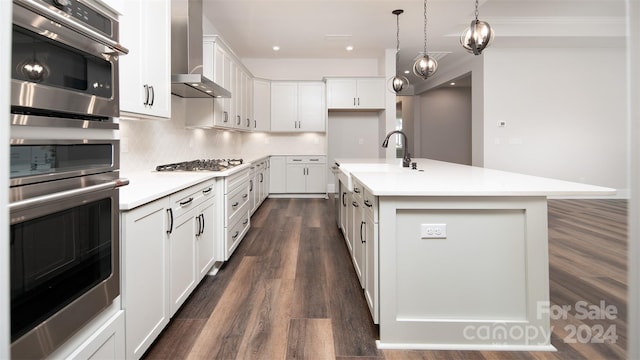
<point>433,231</point>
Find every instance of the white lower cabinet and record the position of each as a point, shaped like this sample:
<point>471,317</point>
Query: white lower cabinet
<point>258,180</point>
<point>145,280</point>
<point>357,239</point>
<point>237,210</point>
<point>167,245</point>
<point>306,174</point>
<point>364,240</point>
<point>107,342</point>
<point>182,251</point>
<point>206,237</point>
<point>278,175</point>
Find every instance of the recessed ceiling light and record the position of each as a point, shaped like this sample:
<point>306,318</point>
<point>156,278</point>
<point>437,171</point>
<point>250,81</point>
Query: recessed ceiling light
<point>349,48</point>
<point>452,83</point>
<point>276,48</point>
<point>407,71</point>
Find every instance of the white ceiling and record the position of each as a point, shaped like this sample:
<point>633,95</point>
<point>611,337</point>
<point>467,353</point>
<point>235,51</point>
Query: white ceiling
<point>322,29</point>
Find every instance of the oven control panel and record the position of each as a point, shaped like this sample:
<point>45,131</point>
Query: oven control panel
<point>85,14</point>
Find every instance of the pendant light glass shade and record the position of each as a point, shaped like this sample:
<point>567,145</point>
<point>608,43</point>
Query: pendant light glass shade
<point>478,36</point>
<point>425,66</point>
<point>398,82</point>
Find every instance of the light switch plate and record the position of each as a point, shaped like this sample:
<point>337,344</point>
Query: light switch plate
<point>433,231</point>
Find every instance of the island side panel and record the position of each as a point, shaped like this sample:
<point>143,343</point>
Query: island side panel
<point>484,286</point>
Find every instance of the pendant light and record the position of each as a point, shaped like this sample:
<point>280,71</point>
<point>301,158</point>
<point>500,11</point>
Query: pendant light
<point>398,82</point>
<point>425,66</point>
<point>478,36</point>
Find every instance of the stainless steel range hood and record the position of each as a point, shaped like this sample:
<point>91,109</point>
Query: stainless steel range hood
<point>187,79</point>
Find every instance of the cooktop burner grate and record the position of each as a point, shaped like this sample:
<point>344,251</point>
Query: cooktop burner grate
<point>201,165</point>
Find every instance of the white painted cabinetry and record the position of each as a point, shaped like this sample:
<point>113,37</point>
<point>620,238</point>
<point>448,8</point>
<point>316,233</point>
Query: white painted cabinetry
<point>145,280</point>
<point>278,175</point>
<point>168,245</point>
<point>356,93</point>
<point>237,210</point>
<point>258,180</point>
<point>145,73</point>
<point>106,342</point>
<point>261,105</point>
<point>363,238</point>
<point>306,174</point>
<point>357,234</point>
<point>192,210</point>
<point>298,106</point>
<point>236,112</point>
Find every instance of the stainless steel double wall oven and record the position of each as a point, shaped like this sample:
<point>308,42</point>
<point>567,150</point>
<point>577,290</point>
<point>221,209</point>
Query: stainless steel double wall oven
<point>64,173</point>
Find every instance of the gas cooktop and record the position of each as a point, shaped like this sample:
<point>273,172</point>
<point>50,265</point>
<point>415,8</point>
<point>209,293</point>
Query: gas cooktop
<point>201,165</point>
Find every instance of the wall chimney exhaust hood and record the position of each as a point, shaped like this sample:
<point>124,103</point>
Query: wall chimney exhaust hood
<point>187,79</point>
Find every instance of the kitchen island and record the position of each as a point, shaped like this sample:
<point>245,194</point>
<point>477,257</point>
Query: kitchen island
<point>456,257</point>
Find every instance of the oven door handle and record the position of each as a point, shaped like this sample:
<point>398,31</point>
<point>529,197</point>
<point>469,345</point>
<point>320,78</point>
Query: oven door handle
<point>40,200</point>
<point>43,10</point>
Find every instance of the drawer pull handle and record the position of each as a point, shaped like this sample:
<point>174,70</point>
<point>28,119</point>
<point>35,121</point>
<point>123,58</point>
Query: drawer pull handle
<point>236,234</point>
<point>206,191</point>
<point>235,204</point>
<point>245,222</point>
<point>356,190</point>
<point>245,196</point>
<point>355,204</point>
<point>186,202</point>
<point>366,202</point>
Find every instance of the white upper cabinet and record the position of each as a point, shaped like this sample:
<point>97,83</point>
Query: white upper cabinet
<point>145,73</point>
<point>226,70</point>
<point>261,105</point>
<point>298,106</point>
<point>356,93</point>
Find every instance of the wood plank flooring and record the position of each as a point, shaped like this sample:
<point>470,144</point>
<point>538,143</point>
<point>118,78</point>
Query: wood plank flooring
<point>290,291</point>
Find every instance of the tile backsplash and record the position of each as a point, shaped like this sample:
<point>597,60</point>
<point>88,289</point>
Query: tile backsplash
<point>144,144</point>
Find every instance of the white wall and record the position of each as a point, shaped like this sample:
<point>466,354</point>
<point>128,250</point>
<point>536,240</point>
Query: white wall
<point>5,43</point>
<point>445,124</point>
<point>565,113</point>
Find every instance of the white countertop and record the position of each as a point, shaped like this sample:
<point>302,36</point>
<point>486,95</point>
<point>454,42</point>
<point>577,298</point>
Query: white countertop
<point>147,186</point>
<point>438,178</point>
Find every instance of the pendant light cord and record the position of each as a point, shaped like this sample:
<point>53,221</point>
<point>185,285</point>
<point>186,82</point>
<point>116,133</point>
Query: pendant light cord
<point>397,39</point>
<point>476,10</point>
<point>425,27</point>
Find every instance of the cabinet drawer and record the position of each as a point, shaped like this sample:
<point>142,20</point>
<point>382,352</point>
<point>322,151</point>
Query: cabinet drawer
<point>370,204</point>
<point>236,232</point>
<point>236,200</point>
<point>358,191</point>
<point>234,181</point>
<point>186,199</point>
<point>306,159</point>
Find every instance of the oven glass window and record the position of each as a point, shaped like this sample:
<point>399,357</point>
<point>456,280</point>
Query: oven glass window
<point>28,160</point>
<point>55,259</point>
<point>37,59</point>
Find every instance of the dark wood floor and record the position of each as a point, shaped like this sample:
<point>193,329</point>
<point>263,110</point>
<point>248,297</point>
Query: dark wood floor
<point>290,291</point>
